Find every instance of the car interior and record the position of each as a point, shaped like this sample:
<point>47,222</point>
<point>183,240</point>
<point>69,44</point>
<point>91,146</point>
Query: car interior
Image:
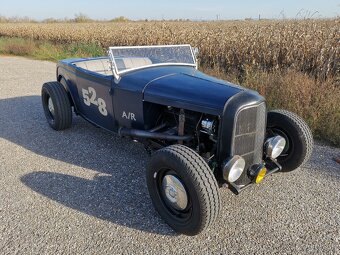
<point>103,65</point>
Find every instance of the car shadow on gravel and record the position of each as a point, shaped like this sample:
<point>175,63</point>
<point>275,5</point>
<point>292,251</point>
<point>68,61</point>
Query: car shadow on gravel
<point>117,194</point>
<point>22,122</point>
<point>102,197</point>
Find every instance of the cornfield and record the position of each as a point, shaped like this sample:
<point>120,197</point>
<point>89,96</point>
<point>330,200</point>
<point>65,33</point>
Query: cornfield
<point>293,63</point>
<point>310,46</point>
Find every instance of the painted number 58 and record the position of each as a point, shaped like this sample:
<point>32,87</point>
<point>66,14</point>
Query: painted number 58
<point>90,97</point>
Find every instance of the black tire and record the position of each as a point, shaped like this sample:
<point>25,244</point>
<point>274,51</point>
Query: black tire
<point>61,116</point>
<point>299,138</point>
<point>199,182</point>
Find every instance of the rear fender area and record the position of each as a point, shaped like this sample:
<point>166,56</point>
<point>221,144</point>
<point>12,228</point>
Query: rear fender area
<point>66,84</point>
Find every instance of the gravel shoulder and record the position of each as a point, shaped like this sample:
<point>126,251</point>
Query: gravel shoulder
<point>83,190</point>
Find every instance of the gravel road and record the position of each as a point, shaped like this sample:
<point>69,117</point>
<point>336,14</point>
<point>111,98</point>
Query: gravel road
<point>83,191</point>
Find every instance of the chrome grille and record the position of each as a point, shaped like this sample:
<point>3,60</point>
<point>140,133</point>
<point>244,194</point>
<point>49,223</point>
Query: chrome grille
<point>249,135</point>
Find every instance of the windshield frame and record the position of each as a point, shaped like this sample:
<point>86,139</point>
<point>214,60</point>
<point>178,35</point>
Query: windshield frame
<point>117,74</point>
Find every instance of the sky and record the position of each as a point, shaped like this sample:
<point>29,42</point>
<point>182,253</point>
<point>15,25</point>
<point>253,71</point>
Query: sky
<point>171,9</point>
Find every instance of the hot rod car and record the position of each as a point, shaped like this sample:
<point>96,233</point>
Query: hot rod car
<point>202,133</point>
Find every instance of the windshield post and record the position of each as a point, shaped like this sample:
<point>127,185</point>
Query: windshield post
<point>113,67</point>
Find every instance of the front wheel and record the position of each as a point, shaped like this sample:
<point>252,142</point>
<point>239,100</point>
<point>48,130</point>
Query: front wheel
<point>183,189</point>
<point>298,136</point>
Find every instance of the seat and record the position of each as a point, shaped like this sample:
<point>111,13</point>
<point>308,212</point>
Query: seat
<point>101,66</point>
<point>136,62</point>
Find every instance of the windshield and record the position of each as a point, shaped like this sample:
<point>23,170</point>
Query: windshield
<point>129,58</point>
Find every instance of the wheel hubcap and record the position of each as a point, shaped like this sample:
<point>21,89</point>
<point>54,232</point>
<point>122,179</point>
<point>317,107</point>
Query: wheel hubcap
<point>50,106</point>
<point>286,149</point>
<point>175,192</point>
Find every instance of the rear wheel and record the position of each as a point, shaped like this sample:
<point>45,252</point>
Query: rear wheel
<point>183,189</point>
<point>298,136</point>
<point>57,106</point>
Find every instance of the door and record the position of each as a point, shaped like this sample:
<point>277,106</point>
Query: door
<point>95,96</point>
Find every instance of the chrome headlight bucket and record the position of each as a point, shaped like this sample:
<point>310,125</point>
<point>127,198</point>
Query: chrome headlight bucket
<point>233,168</point>
<point>274,146</point>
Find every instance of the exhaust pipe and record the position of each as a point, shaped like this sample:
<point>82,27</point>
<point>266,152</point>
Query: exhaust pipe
<point>151,135</point>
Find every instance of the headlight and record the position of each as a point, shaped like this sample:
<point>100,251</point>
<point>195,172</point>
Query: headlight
<point>274,146</point>
<point>233,168</point>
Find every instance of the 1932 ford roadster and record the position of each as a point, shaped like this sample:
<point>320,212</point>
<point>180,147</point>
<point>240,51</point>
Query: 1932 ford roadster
<point>202,132</point>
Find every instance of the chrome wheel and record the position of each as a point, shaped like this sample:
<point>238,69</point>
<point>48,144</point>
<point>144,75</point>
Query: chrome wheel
<point>50,106</point>
<point>174,192</point>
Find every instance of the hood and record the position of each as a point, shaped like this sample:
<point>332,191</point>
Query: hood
<point>195,91</point>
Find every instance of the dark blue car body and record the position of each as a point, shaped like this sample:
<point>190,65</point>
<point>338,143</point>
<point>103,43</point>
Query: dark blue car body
<point>177,86</point>
<point>239,112</point>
